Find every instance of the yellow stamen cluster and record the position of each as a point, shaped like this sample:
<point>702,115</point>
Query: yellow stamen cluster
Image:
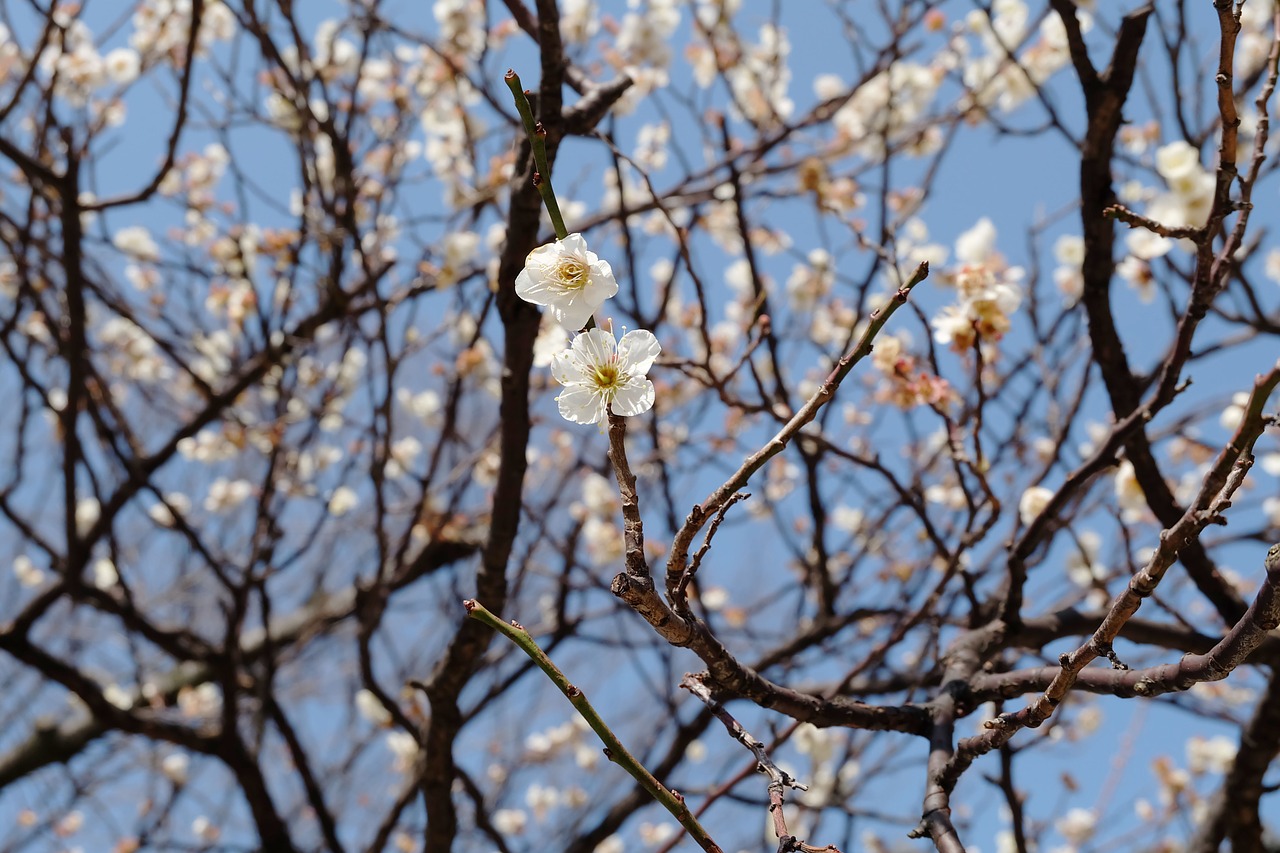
<point>607,378</point>
<point>572,274</point>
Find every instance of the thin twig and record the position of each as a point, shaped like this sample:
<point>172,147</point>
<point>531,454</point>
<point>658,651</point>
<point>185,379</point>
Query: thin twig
<point>671,800</point>
<point>779,779</point>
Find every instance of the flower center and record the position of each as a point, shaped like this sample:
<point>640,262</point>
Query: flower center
<point>607,378</point>
<point>572,274</point>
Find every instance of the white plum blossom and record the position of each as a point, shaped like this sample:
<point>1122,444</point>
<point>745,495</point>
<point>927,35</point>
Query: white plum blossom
<point>1129,494</point>
<point>161,512</point>
<point>118,696</point>
<point>976,245</point>
<point>847,518</point>
<point>458,250</point>
<point>175,767</point>
<point>69,824</point>
<point>1233,414</point>
<point>227,494</point>
<point>1077,825</point>
<point>136,242</point>
<point>567,278</point>
<point>541,799</point>
<point>200,702</point>
<point>989,292</point>
<point>1177,160</point>
<point>1033,502</point>
<point>122,65</point>
<point>342,501</point>
<point>1215,755</point>
<point>404,749</point>
<point>1191,187</point>
<point>87,512</point>
<point>371,708</point>
<point>579,20</point>
<point>204,829</point>
<point>26,571</point>
<point>551,339</point>
<point>603,541</point>
<point>510,821</point>
<point>1069,253</point>
<point>105,575</point>
<point>1083,565</point>
<point>1271,508</point>
<point>808,283</point>
<point>425,405</point>
<point>601,375</point>
<point>1273,265</point>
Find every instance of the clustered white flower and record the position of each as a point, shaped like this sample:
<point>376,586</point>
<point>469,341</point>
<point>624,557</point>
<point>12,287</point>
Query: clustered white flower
<point>988,291</point>
<point>600,373</point>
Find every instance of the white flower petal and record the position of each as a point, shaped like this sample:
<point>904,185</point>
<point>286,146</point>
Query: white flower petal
<point>530,289</point>
<point>580,404</point>
<point>634,398</point>
<point>573,314</point>
<point>574,244</point>
<point>637,351</point>
<point>566,369</point>
<point>594,346</point>
<point>601,277</point>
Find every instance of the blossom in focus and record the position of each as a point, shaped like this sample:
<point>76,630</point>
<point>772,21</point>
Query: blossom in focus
<point>601,375</point>
<point>567,278</point>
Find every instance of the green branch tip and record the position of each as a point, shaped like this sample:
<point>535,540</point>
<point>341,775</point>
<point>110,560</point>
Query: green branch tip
<point>537,133</point>
<point>613,748</point>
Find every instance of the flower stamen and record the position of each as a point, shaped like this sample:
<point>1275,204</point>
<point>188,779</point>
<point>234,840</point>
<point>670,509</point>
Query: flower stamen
<point>572,274</point>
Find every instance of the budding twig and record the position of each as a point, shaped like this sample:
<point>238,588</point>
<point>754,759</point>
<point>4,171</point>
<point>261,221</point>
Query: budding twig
<point>538,142</point>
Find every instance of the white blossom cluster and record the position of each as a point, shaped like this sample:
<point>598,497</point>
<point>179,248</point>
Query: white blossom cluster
<point>600,373</point>
<point>989,292</point>
<point>1004,34</point>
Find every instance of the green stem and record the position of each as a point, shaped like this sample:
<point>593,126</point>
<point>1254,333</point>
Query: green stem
<point>538,141</point>
<point>614,749</point>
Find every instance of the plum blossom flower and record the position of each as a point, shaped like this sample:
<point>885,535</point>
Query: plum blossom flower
<point>175,767</point>
<point>372,709</point>
<point>1215,755</point>
<point>567,278</point>
<point>1077,826</point>
<point>136,242</point>
<point>26,571</point>
<point>342,501</point>
<point>1033,502</point>
<point>988,291</point>
<point>600,375</point>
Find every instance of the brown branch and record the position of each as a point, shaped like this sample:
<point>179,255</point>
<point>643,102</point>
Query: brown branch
<point>1234,808</point>
<point>779,779</point>
<point>520,322</point>
<point>1223,480</point>
<point>179,120</point>
<point>700,514</point>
